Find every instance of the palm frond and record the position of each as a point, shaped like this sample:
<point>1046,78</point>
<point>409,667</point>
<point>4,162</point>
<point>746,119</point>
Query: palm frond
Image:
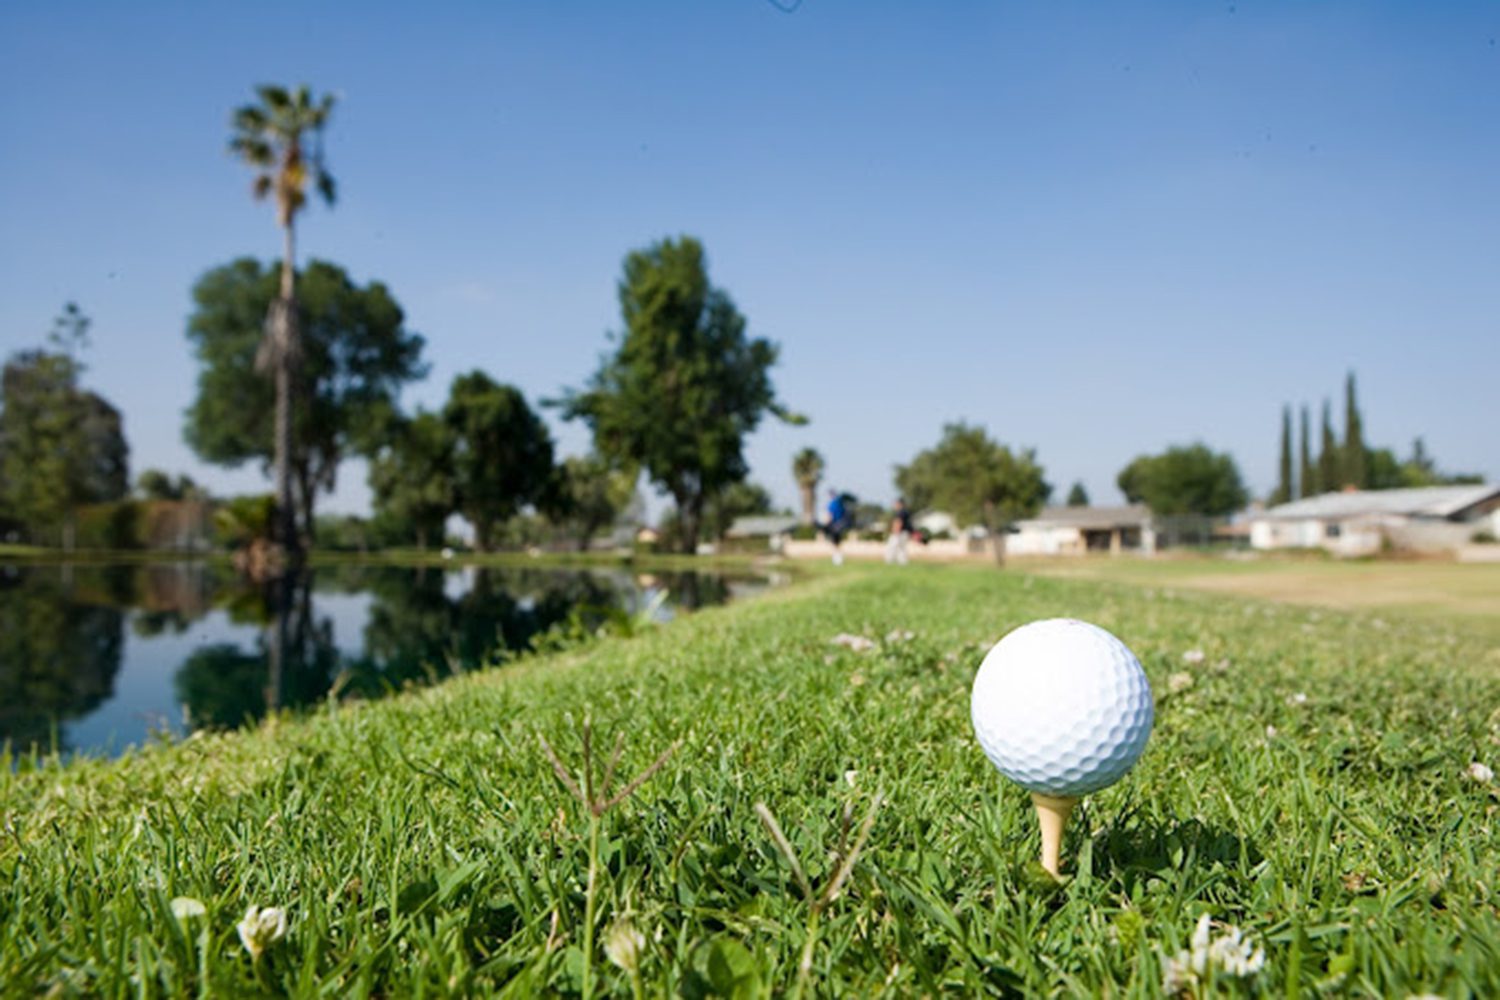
<point>261,185</point>
<point>250,118</point>
<point>327,187</point>
<point>256,152</point>
<point>274,97</point>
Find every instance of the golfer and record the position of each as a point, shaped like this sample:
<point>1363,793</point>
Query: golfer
<point>899,534</point>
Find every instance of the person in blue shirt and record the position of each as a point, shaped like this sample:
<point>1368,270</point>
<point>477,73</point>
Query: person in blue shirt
<point>840,519</point>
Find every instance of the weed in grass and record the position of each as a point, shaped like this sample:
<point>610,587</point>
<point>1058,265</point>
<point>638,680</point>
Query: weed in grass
<point>594,795</point>
<point>846,854</point>
<point>1210,961</point>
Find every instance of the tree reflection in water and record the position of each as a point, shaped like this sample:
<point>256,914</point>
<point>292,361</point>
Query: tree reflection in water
<point>62,632</point>
<point>60,648</point>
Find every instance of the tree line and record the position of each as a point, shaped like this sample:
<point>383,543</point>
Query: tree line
<point>301,368</point>
<point>1349,463</point>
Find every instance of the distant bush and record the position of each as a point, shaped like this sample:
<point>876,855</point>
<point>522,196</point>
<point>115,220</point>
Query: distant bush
<point>115,525</point>
<point>244,519</point>
<point>1484,536</point>
<point>804,533</point>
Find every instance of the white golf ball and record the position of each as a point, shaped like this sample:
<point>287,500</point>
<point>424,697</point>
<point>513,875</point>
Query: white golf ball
<point>1062,707</point>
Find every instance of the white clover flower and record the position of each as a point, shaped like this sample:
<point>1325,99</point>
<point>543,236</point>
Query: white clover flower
<point>1480,772</point>
<point>623,944</point>
<point>1179,682</point>
<point>1299,698</point>
<point>1271,732</point>
<point>858,643</point>
<point>184,908</point>
<point>262,928</point>
<point>1193,656</point>
<point>900,635</point>
<point>1230,954</point>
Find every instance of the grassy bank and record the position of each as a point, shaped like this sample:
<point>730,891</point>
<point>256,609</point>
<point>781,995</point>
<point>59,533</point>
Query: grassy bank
<point>1306,782</point>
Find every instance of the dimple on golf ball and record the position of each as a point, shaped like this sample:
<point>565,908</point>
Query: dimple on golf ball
<point>1062,707</point>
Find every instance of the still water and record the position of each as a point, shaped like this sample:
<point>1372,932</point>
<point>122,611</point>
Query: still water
<point>95,659</point>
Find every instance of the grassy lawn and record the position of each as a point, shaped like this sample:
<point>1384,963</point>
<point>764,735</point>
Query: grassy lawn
<point>1306,783</point>
<point>1433,589</point>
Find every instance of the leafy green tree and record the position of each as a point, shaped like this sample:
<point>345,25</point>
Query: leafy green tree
<point>1184,480</point>
<point>1078,496</point>
<point>1354,455</point>
<point>591,496</point>
<point>1307,479</point>
<point>281,139</point>
<point>685,384</point>
<point>413,480</point>
<point>1384,470</point>
<point>1284,487</point>
<point>807,469</point>
<point>977,480</point>
<point>1387,472</point>
<point>154,484</point>
<point>243,520</point>
<point>502,453</point>
<point>356,353</point>
<point>61,446</point>
<point>1330,465</point>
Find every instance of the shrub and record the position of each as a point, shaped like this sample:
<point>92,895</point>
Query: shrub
<point>114,525</point>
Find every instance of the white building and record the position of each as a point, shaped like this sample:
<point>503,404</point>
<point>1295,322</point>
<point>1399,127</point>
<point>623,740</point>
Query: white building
<point>1074,531</point>
<point>776,529</point>
<point>1363,522</point>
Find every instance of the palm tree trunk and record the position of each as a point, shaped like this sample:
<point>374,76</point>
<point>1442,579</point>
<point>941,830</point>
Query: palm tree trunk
<point>287,512</point>
<point>809,498</point>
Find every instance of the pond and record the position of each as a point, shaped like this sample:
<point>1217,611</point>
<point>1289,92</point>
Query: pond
<point>95,659</point>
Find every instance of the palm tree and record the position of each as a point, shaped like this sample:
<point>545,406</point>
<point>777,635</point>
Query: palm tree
<point>807,466</point>
<point>281,138</point>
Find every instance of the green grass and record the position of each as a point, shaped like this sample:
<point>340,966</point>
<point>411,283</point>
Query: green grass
<point>424,844</point>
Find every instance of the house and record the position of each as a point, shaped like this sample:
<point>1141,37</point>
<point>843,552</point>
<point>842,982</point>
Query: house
<point>1059,531</point>
<point>1362,522</point>
<point>774,528</point>
<point>762,525</point>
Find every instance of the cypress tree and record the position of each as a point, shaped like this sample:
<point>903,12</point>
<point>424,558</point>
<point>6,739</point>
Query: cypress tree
<point>1329,465</point>
<point>1307,483</point>
<point>1283,491</point>
<point>1356,459</point>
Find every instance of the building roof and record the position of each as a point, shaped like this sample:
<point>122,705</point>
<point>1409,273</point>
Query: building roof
<point>1426,501</point>
<point>1128,516</point>
<point>759,525</point>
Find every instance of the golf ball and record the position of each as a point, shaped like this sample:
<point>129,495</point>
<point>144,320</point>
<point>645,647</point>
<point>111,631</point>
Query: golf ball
<point>1062,707</point>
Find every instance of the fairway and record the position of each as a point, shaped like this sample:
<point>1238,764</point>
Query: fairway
<point>1432,589</point>
<point>1308,782</point>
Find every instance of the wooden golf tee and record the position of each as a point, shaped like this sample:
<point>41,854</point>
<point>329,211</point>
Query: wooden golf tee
<point>1052,812</point>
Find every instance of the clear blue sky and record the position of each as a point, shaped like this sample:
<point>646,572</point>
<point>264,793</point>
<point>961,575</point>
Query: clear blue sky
<point>1095,229</point>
